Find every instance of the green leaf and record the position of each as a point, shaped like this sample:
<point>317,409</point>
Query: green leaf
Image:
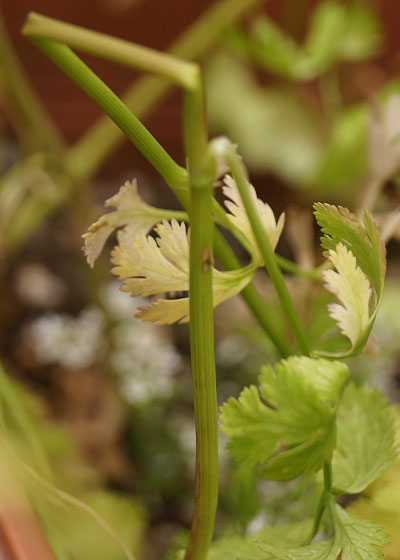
<point>345,239</point>
<point>325,550</point>
<point>363,37</point>
<point>344,162</point>
<point>235,548</point>
<point>322,45</point>
<point>357,27</point>
<point>365,441</point>
<point>339,225</point>
<point>247,548</point>
<point>276,129</point>
<point>287,426</point>
<point>277,51</point>
<point>354,539</point>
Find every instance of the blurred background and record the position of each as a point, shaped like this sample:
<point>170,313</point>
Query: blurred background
<point>100,403</point>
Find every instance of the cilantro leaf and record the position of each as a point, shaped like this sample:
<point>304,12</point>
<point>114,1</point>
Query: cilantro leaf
<point>324,550</point>
<point>357,26</point>
<point>131,213</point>
<point>339,225</point>
<point>358,254</point>
<point>365,442</point>
<point>354,539</point>
<point>295,431</point>
<point>237,215</point>
<point>350,285</point>
<point>248,548</point>
<point>151,266</point>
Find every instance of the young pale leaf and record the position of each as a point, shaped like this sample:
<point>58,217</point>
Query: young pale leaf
<point>131,213</point>
<point>151,266</point>
<point>287,426</point>
<point>239,217</point>
<point>365,441</point>
<point>339,225</point>
<point>358,254</point>
<point>350,285</point>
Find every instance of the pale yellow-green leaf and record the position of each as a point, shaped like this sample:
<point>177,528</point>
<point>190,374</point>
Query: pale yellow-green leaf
<point>237,215</point>
<point>131,213</point>
<point>352,288</point>
<point>153,266</point>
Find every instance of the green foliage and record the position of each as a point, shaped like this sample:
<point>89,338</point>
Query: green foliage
<point>358,254</point>
<point>357,27</point>
<point>275,128</point>
<point>296,421</point>
<point>289,426</point>
<point>363,415</point>
<point>339,225</point>
<point>246,548</point>
<point>85,538</point>
<point>344,161</point>
<point>353,538</point>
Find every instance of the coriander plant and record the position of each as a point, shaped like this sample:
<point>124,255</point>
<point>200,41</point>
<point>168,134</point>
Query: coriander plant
<point>305,417</point>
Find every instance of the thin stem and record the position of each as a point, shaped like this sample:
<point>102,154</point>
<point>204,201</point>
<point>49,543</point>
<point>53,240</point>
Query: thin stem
<point>202,177</point>
<point>255,302</point>
<point>101,94</point>
<point>111,48</point>
<point>293,268</point>
<point>224,147</point>
<point>328,477</point>
<point>317,518</point>
<point>103,137</point>
<point>325,498</point>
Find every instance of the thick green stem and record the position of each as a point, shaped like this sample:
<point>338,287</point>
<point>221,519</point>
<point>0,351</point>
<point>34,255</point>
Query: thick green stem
<point>224,147</point>
<point>101,94</point>
<point>202,176</point>
<point>203,375</point>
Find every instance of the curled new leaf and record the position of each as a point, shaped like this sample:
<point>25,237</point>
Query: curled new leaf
<point>287,425</point>
<point>238,217</point>
<point>131,213</point>
<point>358,255</point>
<point>152,267</point>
